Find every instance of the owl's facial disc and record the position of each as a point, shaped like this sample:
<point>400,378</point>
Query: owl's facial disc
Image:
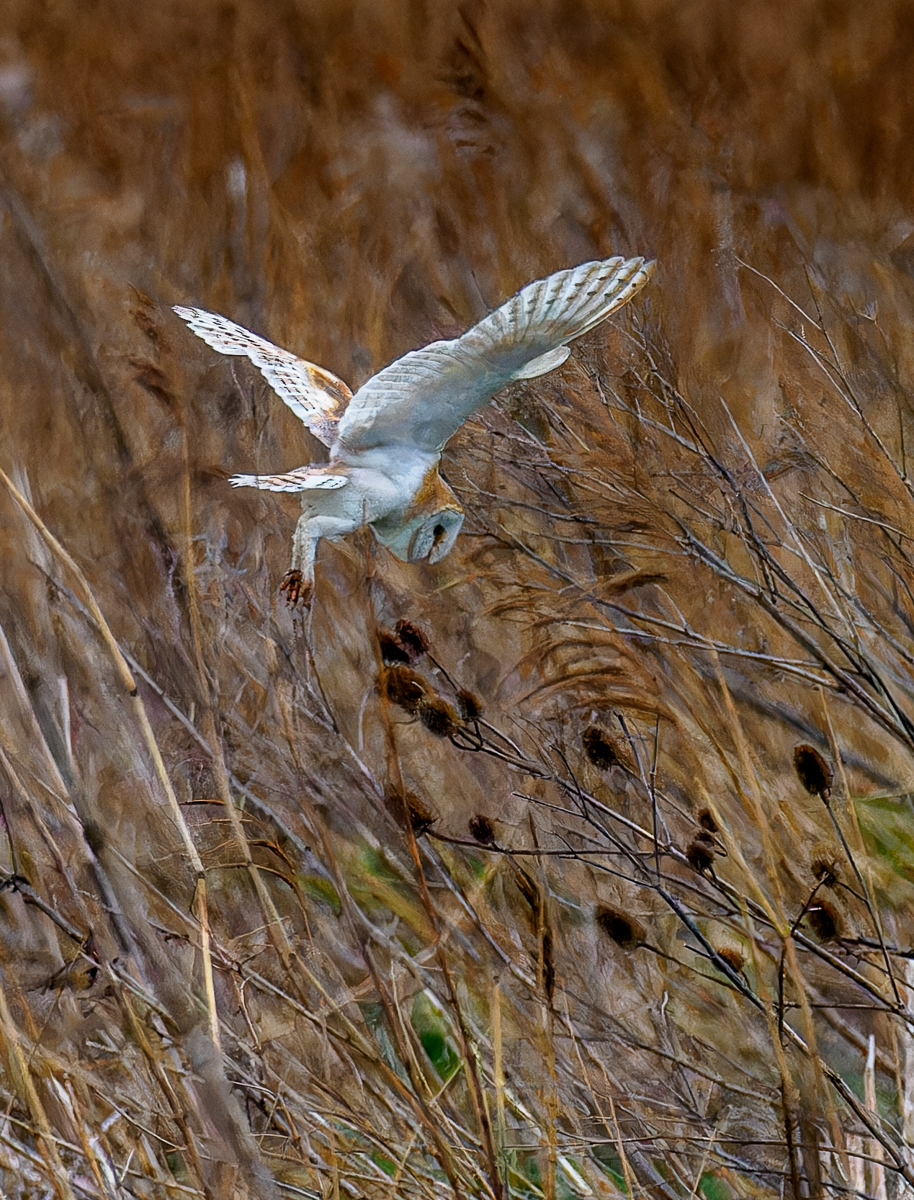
<point>435,537</point>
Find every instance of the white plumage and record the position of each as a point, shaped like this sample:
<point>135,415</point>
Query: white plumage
<point>386,440</point>
<point>301,479</point>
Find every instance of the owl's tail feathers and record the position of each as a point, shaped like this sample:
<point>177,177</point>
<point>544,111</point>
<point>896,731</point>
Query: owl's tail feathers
<point>300,480</point>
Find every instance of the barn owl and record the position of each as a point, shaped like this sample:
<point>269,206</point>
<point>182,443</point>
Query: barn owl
<point>386,440</point>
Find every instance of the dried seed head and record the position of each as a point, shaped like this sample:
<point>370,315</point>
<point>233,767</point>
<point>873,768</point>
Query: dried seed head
<point>468,705</point>
<point>732,956</point>
<point>706,820</point>
<point>412,639</point>
<point>410,810</point>
<point>403,687</point>
<point>79,974</point>
<point>625,931</point>
<point>600,748</point>
<point>391,650</point>
<point>825,871</point>
<point>823,921</point>
<point>700,852</point>
<point>421,817</point>
<point>482,829</point>
<point>438,717</point>
<point>813,771</point>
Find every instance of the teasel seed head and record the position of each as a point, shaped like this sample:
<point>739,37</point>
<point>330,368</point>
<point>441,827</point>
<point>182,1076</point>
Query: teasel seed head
<point>468,705</point>
<point>409,809</point>
<point>813,771</point>
<point>700,852</point>
<point>391,650</point>
<point>620,928</point>
<point>706,820</point>
<point>824,921</point>
<point>413,639</point>
<point>438,716</point>
<point>732,956</point>
<point>826,870</point>
<point>404,687</point>
<point>482,829</point>
<point>600,748</point>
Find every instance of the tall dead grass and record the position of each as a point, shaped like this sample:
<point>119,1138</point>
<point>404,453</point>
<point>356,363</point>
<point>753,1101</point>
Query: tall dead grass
<point>291,906</point>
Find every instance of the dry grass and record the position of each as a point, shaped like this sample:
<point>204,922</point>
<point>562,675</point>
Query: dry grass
<point>278,920</point>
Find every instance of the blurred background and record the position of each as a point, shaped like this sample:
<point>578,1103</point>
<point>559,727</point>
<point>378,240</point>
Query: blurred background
<point>581,921</point>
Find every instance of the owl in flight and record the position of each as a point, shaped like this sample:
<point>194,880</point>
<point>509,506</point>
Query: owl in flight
<point>386,440</point>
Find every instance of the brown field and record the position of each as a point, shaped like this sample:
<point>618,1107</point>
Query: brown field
<point>263,932</point>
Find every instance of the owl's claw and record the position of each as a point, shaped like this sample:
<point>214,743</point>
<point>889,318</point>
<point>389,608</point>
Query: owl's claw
<point>296,588</point>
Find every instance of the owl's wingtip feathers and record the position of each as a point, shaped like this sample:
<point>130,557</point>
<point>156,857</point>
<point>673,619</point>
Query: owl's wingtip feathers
<point>315,396</point>
<point>185,313</point>
<point>302,479</point>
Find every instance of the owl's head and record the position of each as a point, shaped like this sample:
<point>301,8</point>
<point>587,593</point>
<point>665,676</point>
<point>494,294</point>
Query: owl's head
<point>423,536</point>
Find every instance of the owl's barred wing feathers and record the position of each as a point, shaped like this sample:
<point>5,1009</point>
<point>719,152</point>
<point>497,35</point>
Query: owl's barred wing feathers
<point>302,479</point>
<point>424,397</point>
<point>316,396</point>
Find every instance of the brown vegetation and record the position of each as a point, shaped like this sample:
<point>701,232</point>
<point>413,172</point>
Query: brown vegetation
<point>257,938</point>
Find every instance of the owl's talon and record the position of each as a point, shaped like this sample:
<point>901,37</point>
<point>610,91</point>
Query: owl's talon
<point>296,588</point>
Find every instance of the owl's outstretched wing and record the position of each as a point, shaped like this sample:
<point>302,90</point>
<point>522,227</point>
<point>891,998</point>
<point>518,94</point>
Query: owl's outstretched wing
<point>302,479</point>
<point>424,397</point>
<point>316,396</point>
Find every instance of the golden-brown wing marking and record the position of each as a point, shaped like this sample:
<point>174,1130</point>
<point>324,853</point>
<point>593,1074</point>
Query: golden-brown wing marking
<point>317,397</point>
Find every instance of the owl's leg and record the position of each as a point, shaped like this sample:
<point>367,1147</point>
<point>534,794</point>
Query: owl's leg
<point>304,546</point>
<point>298,581</point>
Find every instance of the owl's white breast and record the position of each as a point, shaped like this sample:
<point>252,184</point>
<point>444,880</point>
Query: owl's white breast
<point>394,473</point>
